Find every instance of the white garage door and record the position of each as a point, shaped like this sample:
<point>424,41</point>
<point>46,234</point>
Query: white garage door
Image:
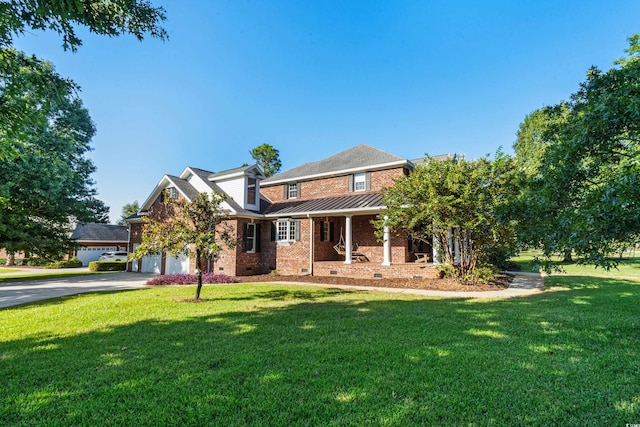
<point>179,265</point>
<point>86,254</point>
<point>151,263</point>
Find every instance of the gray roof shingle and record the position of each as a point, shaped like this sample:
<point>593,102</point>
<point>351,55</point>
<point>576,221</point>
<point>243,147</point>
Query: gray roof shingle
<point>100,232</point>
<point>360,156</point>
<point>184,186</point>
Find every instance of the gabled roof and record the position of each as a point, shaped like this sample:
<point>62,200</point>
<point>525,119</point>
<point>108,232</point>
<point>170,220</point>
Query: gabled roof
<point>100,232</point>
<point>370,202</point>
<point>359,158</point>
<point>184,187</point>
<point>230,172</point>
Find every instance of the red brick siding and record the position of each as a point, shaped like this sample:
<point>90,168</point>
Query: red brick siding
<point>331,187</point>
<point>368,270</point>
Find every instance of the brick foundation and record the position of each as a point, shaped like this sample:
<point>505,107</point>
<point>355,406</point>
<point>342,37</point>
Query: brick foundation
<point>370,270</point>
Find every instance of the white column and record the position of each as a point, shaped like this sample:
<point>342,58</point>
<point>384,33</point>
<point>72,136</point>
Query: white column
<point>311,225</point>
<point>347,240</point>
<point>387,243</point>
<point>436,250</point>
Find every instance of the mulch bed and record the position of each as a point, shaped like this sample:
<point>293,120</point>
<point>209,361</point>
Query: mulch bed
<point>499,283</point>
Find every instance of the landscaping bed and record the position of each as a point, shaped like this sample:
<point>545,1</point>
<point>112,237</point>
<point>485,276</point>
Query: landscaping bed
<point>500,282</point>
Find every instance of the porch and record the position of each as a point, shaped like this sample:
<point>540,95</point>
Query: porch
<point>372,270</point>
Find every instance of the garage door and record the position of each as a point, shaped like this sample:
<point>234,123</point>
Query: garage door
<point>151,263</point>
<point>86,254</point>
<point>179,265</point>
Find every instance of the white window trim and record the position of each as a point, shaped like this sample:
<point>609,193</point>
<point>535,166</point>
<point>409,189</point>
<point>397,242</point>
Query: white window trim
<point>292,230</point>
<point>360,178</point>
<point>296,186</point>
<point>255,190</point>
<point>252,239</point>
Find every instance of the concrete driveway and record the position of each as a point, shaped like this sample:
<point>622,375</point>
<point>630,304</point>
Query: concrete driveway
<point>25,291</point>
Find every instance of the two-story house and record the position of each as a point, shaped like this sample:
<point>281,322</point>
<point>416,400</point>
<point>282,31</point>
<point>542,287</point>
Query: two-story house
<point>312,219</point>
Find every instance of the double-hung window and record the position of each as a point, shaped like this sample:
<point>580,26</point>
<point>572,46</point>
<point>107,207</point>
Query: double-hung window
<point>292,192</point>
<point>287,230</point>
<point>251,191</point>
<point>250,238</point>
<point>360,182</point>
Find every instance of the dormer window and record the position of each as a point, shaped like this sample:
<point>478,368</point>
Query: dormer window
<point>251,191</point>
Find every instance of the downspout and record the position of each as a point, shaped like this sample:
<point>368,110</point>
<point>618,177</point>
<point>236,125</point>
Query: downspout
<point>310,244</point>
<point>129,246</point>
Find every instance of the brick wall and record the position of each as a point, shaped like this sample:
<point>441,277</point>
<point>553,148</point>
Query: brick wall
<point>331,187</point>
<point>370,270</point>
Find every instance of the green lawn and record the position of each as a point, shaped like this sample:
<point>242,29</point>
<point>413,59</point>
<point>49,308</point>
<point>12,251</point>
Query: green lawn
<point>628,267</point>
<point>286,355</point>
<point>7,270</point>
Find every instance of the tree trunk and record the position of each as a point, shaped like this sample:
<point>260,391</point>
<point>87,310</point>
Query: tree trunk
<point>11,259</point>
<point>199,268</point>
<point>567,256</point>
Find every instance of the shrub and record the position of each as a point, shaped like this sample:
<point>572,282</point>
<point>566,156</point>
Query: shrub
<point>107,266</point>
<point>190,279</point>
<point>72,263</point>
<point>35,262</point>
<point>3,261</point>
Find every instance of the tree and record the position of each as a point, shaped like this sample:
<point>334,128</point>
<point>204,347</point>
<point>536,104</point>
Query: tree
<point>192,228</point>
<point>459,204</point>
<point>47,187</point>
<point>586,196</point>
<point>128,210</point>
<point>111,18</point>
<point>268,158</point>
<point>107,17</point>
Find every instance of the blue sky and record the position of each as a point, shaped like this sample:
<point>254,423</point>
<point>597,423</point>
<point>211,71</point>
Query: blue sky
<point>313,78</point>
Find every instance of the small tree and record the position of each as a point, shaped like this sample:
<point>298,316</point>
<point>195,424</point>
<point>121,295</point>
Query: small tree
<point>189,228</point>
<point>268,158</point>
<point>457,203</point>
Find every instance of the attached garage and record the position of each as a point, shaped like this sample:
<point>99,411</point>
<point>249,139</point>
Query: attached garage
<point>179,265</point>
<point>86,254</point>
<point>151,264</point>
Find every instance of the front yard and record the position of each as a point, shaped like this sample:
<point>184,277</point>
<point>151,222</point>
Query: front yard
<point>259,354</point>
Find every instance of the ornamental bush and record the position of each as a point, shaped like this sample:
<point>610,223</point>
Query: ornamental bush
<point>190,279</point>
<point>72,263</point>
<point>107,266</point>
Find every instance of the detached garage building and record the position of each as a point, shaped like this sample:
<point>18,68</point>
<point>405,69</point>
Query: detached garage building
<point>95,239</point>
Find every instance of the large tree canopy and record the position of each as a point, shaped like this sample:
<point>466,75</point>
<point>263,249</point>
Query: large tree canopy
<point>584,194</point>
<point>459,204</point>
<point>47,186</point>
<point>107,17</point>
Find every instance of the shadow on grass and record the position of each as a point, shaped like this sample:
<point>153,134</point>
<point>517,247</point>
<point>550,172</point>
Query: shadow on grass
<point>334,357</point>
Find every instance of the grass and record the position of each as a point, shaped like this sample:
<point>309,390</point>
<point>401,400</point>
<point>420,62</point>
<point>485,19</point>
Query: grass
<point>286,355</point>
<point>628,267</point>
<point>8,270</point>
<point>45,275</point>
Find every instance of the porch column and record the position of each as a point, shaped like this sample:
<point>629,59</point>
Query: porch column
<point>347,240</point>
<point>387,243</point>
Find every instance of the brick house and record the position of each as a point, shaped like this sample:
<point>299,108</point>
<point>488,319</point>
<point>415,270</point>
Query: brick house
<point>312,219</point>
